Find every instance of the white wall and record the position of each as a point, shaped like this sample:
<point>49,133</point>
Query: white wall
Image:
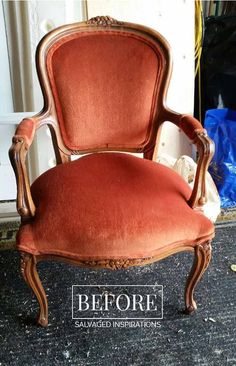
<point>43,17</point>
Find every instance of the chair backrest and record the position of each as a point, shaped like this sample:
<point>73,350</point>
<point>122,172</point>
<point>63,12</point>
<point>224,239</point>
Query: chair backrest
<point>104,84</point>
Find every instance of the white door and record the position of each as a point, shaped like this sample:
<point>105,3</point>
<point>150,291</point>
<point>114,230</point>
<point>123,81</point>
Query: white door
<point>7,182</point>
<point>22,25</point>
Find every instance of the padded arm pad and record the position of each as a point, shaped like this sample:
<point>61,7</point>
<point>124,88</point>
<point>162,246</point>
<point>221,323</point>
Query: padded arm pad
<point>25,130</point>
<point>190,126</point>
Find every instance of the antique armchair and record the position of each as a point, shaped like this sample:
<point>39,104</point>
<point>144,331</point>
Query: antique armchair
<point>104,84</point>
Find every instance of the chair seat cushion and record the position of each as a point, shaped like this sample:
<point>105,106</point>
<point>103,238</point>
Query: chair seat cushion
<point>111,205</point>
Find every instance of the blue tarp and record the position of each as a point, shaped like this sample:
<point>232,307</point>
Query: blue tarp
<point>221,127</point>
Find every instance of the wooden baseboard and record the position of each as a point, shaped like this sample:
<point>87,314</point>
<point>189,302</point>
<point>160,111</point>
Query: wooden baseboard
<point>8,211</point>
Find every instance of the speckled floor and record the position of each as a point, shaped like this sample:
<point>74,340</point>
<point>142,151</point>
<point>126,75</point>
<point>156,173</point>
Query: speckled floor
<point>207,338</point>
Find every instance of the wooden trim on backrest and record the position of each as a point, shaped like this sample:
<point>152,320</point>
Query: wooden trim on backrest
<point>49,116</point>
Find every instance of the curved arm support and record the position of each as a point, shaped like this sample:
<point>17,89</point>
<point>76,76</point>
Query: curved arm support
<point>205,147</point>
<point>20,144</point>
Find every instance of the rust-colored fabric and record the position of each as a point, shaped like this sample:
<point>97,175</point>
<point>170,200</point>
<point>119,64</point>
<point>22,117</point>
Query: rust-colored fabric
<point>26,130</point>
<point>105,87</point>
<point>190,125</point>
<point>111,205</point>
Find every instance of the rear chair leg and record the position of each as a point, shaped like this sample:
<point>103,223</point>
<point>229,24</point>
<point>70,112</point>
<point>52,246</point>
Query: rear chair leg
<point>31,277</point>
<point>201,261</point>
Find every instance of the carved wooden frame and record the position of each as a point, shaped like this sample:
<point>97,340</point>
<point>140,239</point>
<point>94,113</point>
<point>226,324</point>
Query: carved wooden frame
<point>202,257</point>
<point>21,144</point>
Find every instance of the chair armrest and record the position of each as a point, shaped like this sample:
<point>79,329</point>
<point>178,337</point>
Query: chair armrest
<point>20,144</point>
<point>205,147</point>
<point>26,131</point>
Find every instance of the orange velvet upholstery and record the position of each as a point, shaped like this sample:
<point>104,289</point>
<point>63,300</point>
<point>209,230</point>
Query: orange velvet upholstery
<point>105,86</point>
<point>190,125</point>
<point>111,205</point>
<point>26,131</point>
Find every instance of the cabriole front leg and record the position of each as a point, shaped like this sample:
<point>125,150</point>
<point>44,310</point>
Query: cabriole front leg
<point>31,277</point>
<point>201,261</point>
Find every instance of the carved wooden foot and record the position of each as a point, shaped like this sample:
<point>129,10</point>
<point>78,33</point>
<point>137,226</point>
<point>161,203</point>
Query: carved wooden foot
<point>201,261</point>
<point>31,277</point>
